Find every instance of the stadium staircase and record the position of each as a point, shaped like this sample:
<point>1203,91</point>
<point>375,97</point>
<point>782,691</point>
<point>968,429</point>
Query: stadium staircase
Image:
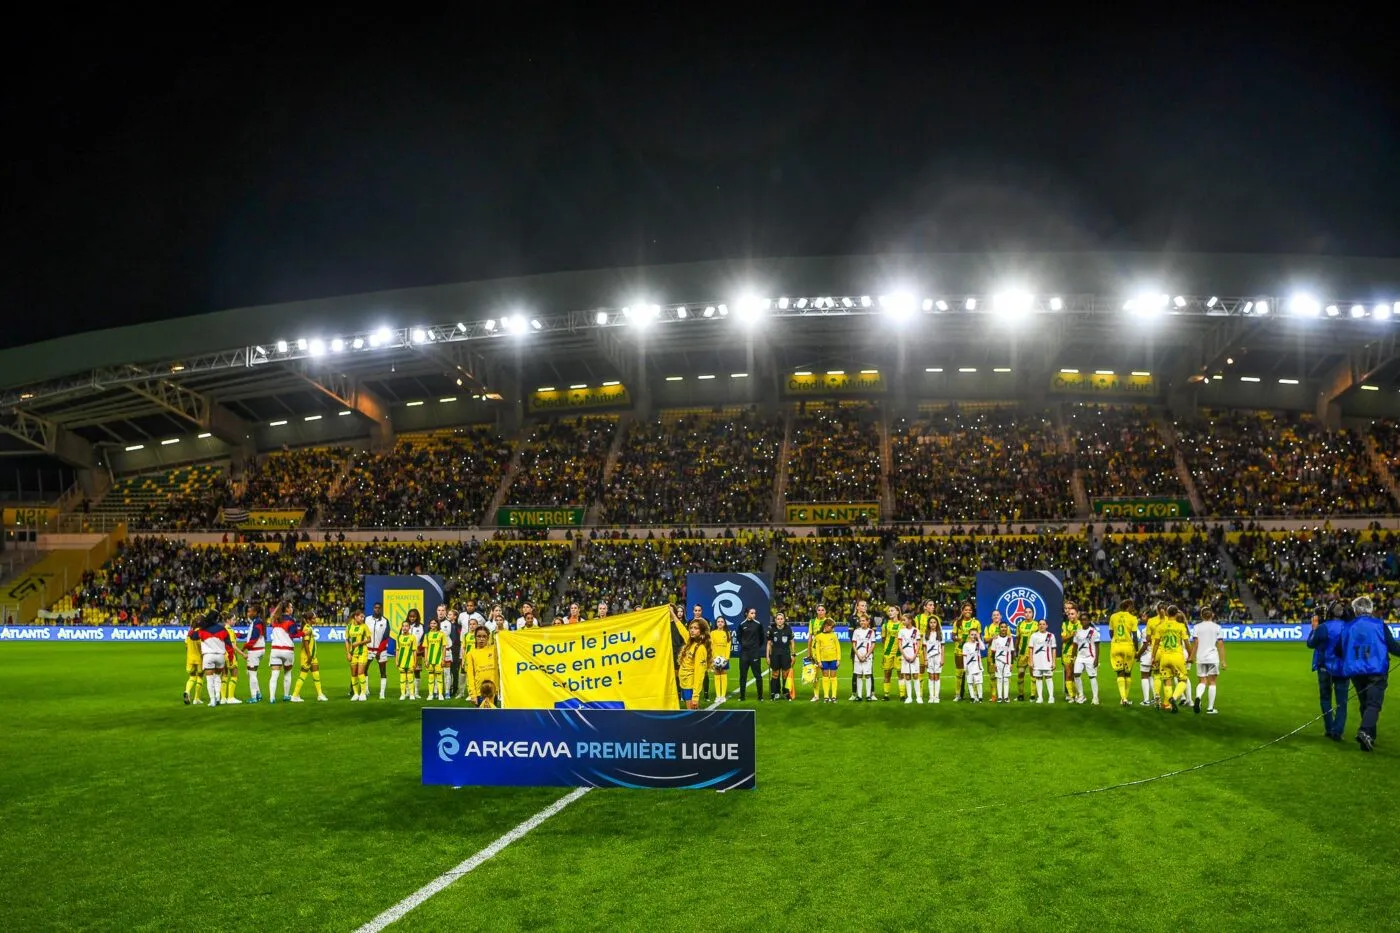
<point>886,487</point>
<point>595,508</point>
<point>1246,594</point>
<point>1378,464</point>
<point>561,586</point>
<point>780,487</point>
<point>499,499</point>
<point>891,569</point>
<point>1198,506</point>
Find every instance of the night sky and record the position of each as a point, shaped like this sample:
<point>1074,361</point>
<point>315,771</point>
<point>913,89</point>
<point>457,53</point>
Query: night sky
<point>167,168</point>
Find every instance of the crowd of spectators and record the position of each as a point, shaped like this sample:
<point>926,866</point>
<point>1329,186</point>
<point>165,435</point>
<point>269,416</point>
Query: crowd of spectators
<point>425,481</point>
<point>1249,463</point>
<point>1294,574</point>
<point>983,464</point>
<point>562,462</point>
<point>834,455</point>
<point>167,580</point>
<point>1120,452</point>
<point>1386,434</point>
<point>696,468</point>
<point>300,478</point>
<point>638,572</point>
<point>832,572</point>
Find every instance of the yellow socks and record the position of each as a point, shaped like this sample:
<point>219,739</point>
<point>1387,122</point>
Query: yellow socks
<point>887,688</point>
<point>301,679</point>
<point>1157,686</point>
<point>903,689</point>
<point>1123,689</point>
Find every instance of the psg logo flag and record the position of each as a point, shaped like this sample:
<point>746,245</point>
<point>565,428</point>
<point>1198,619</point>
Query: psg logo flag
<point>1020,594</point>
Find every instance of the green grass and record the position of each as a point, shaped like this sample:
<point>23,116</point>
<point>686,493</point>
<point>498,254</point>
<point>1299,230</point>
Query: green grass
<point>123,809</point>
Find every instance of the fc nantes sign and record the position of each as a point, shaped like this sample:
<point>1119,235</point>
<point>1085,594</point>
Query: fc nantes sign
<point>621,662</point>
<point>832,513</point>
<point>525,516</point>
<point>1104,384</point>
<point>833,384</point>
<point>613,396</point>
<point>1144,508</point>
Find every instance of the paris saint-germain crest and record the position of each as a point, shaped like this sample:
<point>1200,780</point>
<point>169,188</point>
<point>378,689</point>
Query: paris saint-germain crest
<point>1021,602</point>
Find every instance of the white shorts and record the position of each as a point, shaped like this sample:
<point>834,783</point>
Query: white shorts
<point>865,667</point>
<point>380,656</point>
<point>934,665</point>
<point>283,657</point>
<point>908,667</point>
<point>1004,670</point>
<point>255,656</point>
<point>213,662</point>
<point>1207,668</point>
<point>1083,665</point>
<point>1145,660</point>
<point>447,657</point>
<point>974,676</point>
<point>1042,672</point>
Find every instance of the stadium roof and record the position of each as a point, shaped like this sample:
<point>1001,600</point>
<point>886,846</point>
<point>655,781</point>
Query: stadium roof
<point>248,364</point>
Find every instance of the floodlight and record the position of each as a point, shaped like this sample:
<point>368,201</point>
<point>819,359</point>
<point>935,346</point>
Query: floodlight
<point>848,303</point>
<point>490,324</point>
<point>709,311</point>
<point>461,327</point>
<point>1013,304</point>
<point>746,309</point>
<point>941,305</point>
<point>682,313</point>
<point>358,343</point>
<point>535,323</point>
<point>724,310</point>
<point>317,346</point>
<point>801,302</point>
<point>1381,312</point>
<point>899,305</point>
<point>783,303</point>
<point>928,304</point>
<point>1179,301</point>
<point>1212,302</point>
<point>301,344</point>
<point>517,322</point>
<point>1304,305</point>
<point>1261,306</point>
<point>1333,310</point>
<point>420,335</point>
<point>865,301</point>
<point>1358,311</point>
<point>970,304</point>
<point>281,346</point>
<point>1057,303</point>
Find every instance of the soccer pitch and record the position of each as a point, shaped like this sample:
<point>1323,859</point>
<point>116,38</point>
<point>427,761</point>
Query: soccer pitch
<point>123,809</point>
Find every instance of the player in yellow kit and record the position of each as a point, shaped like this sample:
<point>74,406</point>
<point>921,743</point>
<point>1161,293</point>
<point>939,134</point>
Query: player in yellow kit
<point>721,646</point>
<point>1154,627</point>
<point>826,648</point>
<point>482,669</point>
<point>194,667</point>
<point>1123,631</point>
<point>357,653</point>
<point>1068,628</point>
<point>693,662</point>
<point>890,634</point>
<point>310,663</point>
<point>1169,659</point>
<point>405,656</point>
<point>434,654</point>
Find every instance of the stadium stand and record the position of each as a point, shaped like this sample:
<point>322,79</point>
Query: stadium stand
<point>562,462</point>
<point>171,500</point>
<point>715,468</point>
<point>1294,574</point>
<point>430,480</point>
<point>300,478</point>
<point>1120,452</point>
<point>834,572</point>
<point>834,454</point>
<point>1185,569</point>
<point>630,573</point>
<point>1250,463</point>
<point>979,464</point>
<point>158,579</point>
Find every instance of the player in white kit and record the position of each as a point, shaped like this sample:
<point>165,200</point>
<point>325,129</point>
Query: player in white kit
<point>1086,659</point>
<point>909,643</point>
<point>1208,652</point>
<point>933,659</point>
<point>863,659</point>
<point>379,644</point>
<point>972,667</point>
<point>1042,646</point>
<point>1003,658</point>
<point>282,633</point>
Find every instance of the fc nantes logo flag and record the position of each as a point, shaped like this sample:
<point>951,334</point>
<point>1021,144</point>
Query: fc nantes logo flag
<point>621,662</point>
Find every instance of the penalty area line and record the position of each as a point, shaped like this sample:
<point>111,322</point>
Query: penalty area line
<point>444,880</point>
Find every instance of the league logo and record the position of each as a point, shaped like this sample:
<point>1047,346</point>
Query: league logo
<point>730,595</point>
<point>447,745</point>
<point>1021,602</point>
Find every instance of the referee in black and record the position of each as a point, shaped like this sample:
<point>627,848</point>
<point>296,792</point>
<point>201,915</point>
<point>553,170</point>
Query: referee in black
<point>753,644</point>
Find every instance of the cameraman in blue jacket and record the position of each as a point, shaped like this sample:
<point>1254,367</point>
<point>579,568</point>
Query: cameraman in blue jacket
<point>1364,648</point>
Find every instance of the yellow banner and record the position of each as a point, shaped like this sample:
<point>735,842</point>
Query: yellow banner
<point>624,660</point>
<point>31,518</point>
<point>614,396</point>
<point>833,383</point>
<point>832,513</point>
<point>1103,384</point>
